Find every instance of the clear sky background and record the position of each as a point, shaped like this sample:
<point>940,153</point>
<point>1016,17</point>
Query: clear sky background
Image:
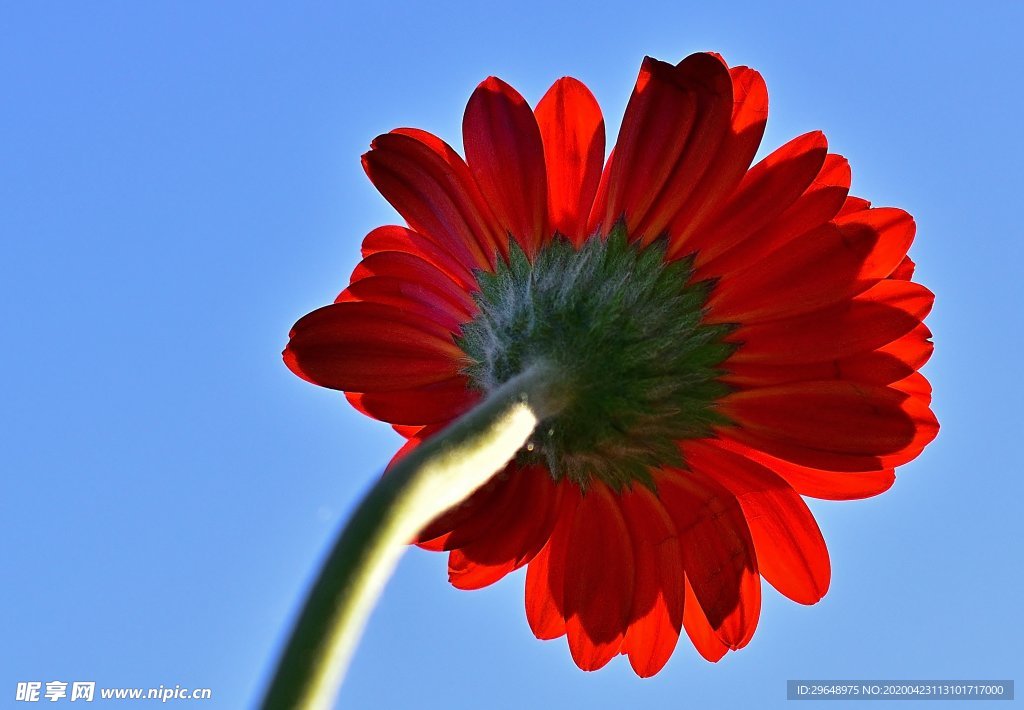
<point>180,181</point>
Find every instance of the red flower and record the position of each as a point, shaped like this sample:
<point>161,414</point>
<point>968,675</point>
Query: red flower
<point>737,337</point>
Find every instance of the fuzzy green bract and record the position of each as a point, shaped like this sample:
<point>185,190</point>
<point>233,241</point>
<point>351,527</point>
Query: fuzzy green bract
<point>625,329</point>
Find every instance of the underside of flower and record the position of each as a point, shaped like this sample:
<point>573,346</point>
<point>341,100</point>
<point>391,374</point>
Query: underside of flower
<point>624,329</point>
<point>731,336</point>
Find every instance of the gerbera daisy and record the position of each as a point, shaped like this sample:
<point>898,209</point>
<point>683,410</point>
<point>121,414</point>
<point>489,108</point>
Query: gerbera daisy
<point>727,338</point>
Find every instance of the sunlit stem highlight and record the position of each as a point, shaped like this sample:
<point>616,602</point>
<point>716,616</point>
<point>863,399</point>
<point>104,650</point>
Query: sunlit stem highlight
<point>440,473</point>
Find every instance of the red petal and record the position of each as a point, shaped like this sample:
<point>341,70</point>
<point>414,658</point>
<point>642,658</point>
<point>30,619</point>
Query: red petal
<point>816,270</point>
<point>402,452</point>
<point>431,187</point>
<point>890,363</point>
<point>817,205</point>
<point>420,435</point>
<point>917,386</point>
<point>717,551</point>
<point>417,272</point>
<point>599,574</point>
<point>545,575</point>
<point>477,506</point>
<point>543,613</point>
<point>764,193</point>
<point>430,404</point>
<point>408,296</point>
<point>668,104</point>
<point>411,284</point>
<point>893,230</point>
<point>915,348</point>
<point>518,531</point>
<point>830,485</point>
<point>839,426</point>
<point>506,157</point>
<point>854,204</point>
<point>657,613</point>
<point>487,520</point>
<point>749,114</point>
<point>883,314</point>
<point>392,238</point>
<point>711,130</point>
<point>572,130</point>
<point>406,430</point>
<point>363,347</point>
<point>873,368</point>
<point>791,552</point>
<point>702,636</point>
<point>816,483</point>
<point>882,367</point>
<point>434,544</point>
<point>905,270</point>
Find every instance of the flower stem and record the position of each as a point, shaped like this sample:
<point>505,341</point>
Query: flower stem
<point>430,479</point>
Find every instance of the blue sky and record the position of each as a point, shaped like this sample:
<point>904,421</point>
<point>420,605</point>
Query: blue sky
<point>180,181</point>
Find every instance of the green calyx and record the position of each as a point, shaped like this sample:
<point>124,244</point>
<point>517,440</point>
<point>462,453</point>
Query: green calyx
<point>624,327</point>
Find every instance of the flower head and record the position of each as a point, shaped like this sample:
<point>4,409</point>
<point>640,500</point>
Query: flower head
<point>729,338</point>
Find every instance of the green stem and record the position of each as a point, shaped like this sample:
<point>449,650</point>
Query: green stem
<point>433,477</point>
